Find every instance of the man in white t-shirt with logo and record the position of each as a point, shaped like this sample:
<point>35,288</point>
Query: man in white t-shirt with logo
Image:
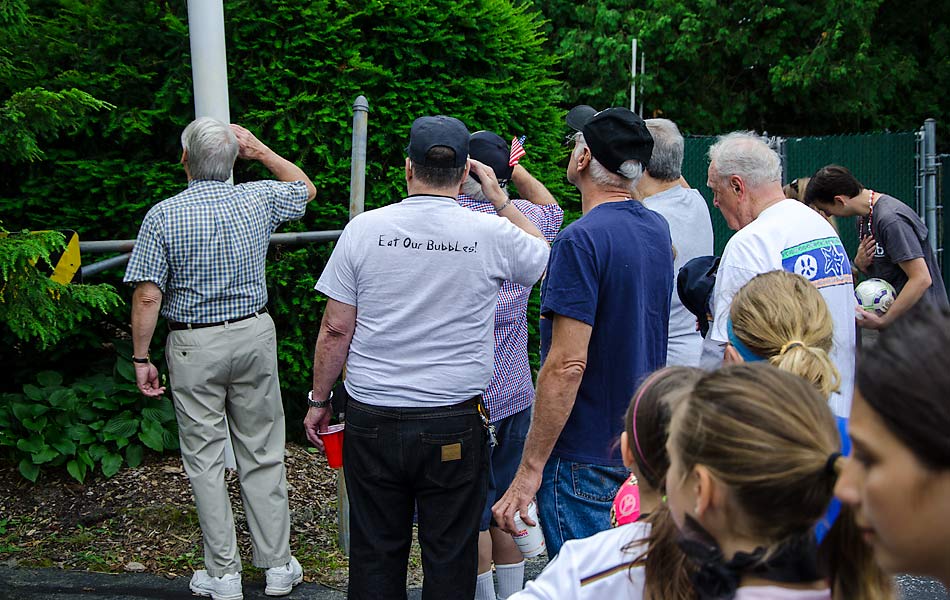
<point>411,292</point>
<point>773,233</point>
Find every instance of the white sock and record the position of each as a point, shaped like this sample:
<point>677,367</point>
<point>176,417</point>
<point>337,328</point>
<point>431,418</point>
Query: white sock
<point>485,586</point>
<point>510,579</point>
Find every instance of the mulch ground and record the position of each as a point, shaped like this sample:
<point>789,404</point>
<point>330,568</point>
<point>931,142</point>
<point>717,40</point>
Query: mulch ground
<point>143,519</point>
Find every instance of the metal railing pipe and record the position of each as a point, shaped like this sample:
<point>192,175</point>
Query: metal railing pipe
<point>103,265</point>
<point>104,246</point>
<point>295,238</point>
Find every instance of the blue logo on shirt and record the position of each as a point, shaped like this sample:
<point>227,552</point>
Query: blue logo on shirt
<point>834,260</point>
<point>823,262</point>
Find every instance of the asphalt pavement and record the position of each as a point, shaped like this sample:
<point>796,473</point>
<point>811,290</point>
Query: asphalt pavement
<point>56,584</point>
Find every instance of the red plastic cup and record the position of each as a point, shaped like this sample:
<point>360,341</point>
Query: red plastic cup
<point>333,445</point>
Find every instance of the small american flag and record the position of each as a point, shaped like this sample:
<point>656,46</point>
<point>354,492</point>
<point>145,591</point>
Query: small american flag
<point>517,150</point>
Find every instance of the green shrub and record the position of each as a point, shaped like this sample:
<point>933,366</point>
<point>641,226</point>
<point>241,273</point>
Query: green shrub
<point>100,421</point>
<point>294,71</point>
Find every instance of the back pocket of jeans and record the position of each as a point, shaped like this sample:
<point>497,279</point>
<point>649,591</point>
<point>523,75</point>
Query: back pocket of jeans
<point>595,482</point>
<point>361,449</point>
<point>449,458</point>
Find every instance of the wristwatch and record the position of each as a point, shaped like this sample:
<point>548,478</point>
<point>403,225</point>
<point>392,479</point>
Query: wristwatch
<point>318,403</point>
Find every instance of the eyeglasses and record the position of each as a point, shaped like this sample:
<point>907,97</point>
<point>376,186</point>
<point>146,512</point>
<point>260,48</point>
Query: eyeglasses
<point>502,183</point>
<point>794,185</point>
<point>571,138</point>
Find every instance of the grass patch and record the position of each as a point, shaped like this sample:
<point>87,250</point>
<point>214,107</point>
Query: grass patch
<point>164,517</point>
<point>96,560</point>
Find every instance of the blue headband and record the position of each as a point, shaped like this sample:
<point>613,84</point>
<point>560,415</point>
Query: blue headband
<point>743,350</point>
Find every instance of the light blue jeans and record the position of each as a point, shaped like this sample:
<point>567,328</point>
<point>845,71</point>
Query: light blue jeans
<point>574,500</point>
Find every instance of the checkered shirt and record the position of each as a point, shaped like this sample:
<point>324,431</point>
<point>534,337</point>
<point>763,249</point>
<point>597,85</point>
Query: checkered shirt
<point>205,248</point>
<point>511,389</point>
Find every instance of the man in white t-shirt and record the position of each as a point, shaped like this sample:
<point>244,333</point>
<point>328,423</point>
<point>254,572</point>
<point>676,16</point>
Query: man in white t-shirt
<point>663,190</point>
<point>772,233</point>
<point>411,291</point>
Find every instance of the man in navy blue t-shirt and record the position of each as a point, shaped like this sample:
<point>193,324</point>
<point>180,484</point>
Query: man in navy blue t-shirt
<point>605,306</point>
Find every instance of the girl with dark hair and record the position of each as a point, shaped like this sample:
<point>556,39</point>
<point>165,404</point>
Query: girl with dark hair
<point>898,481</point>
<point>638,559</point>
<point>753,462</point>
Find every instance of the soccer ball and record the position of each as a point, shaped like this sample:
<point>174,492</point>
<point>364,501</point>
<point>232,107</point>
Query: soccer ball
<point>875,295</point>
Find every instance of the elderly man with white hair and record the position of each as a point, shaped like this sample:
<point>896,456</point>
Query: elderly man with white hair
<point>605,304</point>
<point>199,260</point>
<point>773,233</point>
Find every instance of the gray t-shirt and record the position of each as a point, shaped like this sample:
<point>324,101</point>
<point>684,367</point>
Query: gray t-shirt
<point>902,236</point>
<point>424,276</point>
<point>691,229</point>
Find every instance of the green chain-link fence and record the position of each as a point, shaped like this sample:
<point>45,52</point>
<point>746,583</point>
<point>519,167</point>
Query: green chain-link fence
<point>883,162</point>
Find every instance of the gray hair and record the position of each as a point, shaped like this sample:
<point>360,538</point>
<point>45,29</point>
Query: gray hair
<point>743,153</point>
<point>666,163</point>
<point>630,171</point>
<point>472,188</point>
<point>212,148</point>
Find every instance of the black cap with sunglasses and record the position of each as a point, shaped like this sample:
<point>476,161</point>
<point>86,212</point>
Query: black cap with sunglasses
<point>614,135</point>
<point>489,148</point>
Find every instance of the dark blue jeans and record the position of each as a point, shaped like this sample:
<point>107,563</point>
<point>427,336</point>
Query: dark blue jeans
<point>395,458</point>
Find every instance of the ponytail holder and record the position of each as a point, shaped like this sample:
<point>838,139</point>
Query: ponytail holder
<point>830,464</point>
<point>791,345</point>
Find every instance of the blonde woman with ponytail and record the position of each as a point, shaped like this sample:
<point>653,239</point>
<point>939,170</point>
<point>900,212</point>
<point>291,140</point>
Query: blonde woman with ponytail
<point>782,318</point>
<point>753,464</point>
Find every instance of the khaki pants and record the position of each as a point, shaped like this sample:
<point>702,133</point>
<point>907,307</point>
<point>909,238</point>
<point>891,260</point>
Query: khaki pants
<point>232,370</point>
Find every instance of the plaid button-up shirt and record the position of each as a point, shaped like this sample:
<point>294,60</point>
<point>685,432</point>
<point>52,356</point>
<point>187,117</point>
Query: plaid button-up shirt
<point>205,248</point>
<point>511,389</point>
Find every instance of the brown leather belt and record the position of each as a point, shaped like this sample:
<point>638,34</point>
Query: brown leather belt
<point>176,326</point>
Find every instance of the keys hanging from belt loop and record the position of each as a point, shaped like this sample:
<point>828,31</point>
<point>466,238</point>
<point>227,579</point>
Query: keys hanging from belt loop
<point>489,427</point>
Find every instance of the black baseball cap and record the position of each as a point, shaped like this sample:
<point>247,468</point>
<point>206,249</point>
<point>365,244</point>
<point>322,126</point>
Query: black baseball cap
<point>614,135</point>
<point>440,130</point>
<point>694,285</point>
<point>489,147</point>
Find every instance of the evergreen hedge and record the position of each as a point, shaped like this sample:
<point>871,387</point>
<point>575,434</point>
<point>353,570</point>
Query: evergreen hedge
<point>294,71</point>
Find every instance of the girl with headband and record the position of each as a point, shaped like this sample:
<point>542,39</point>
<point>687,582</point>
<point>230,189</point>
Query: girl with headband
<point>898,481</point>
<point>753,462</point>
<point>780,317</point>
<point>638,559</point>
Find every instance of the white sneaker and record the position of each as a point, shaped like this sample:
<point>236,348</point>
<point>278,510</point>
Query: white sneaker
<point>226,587</point>
<point>281,580</point>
